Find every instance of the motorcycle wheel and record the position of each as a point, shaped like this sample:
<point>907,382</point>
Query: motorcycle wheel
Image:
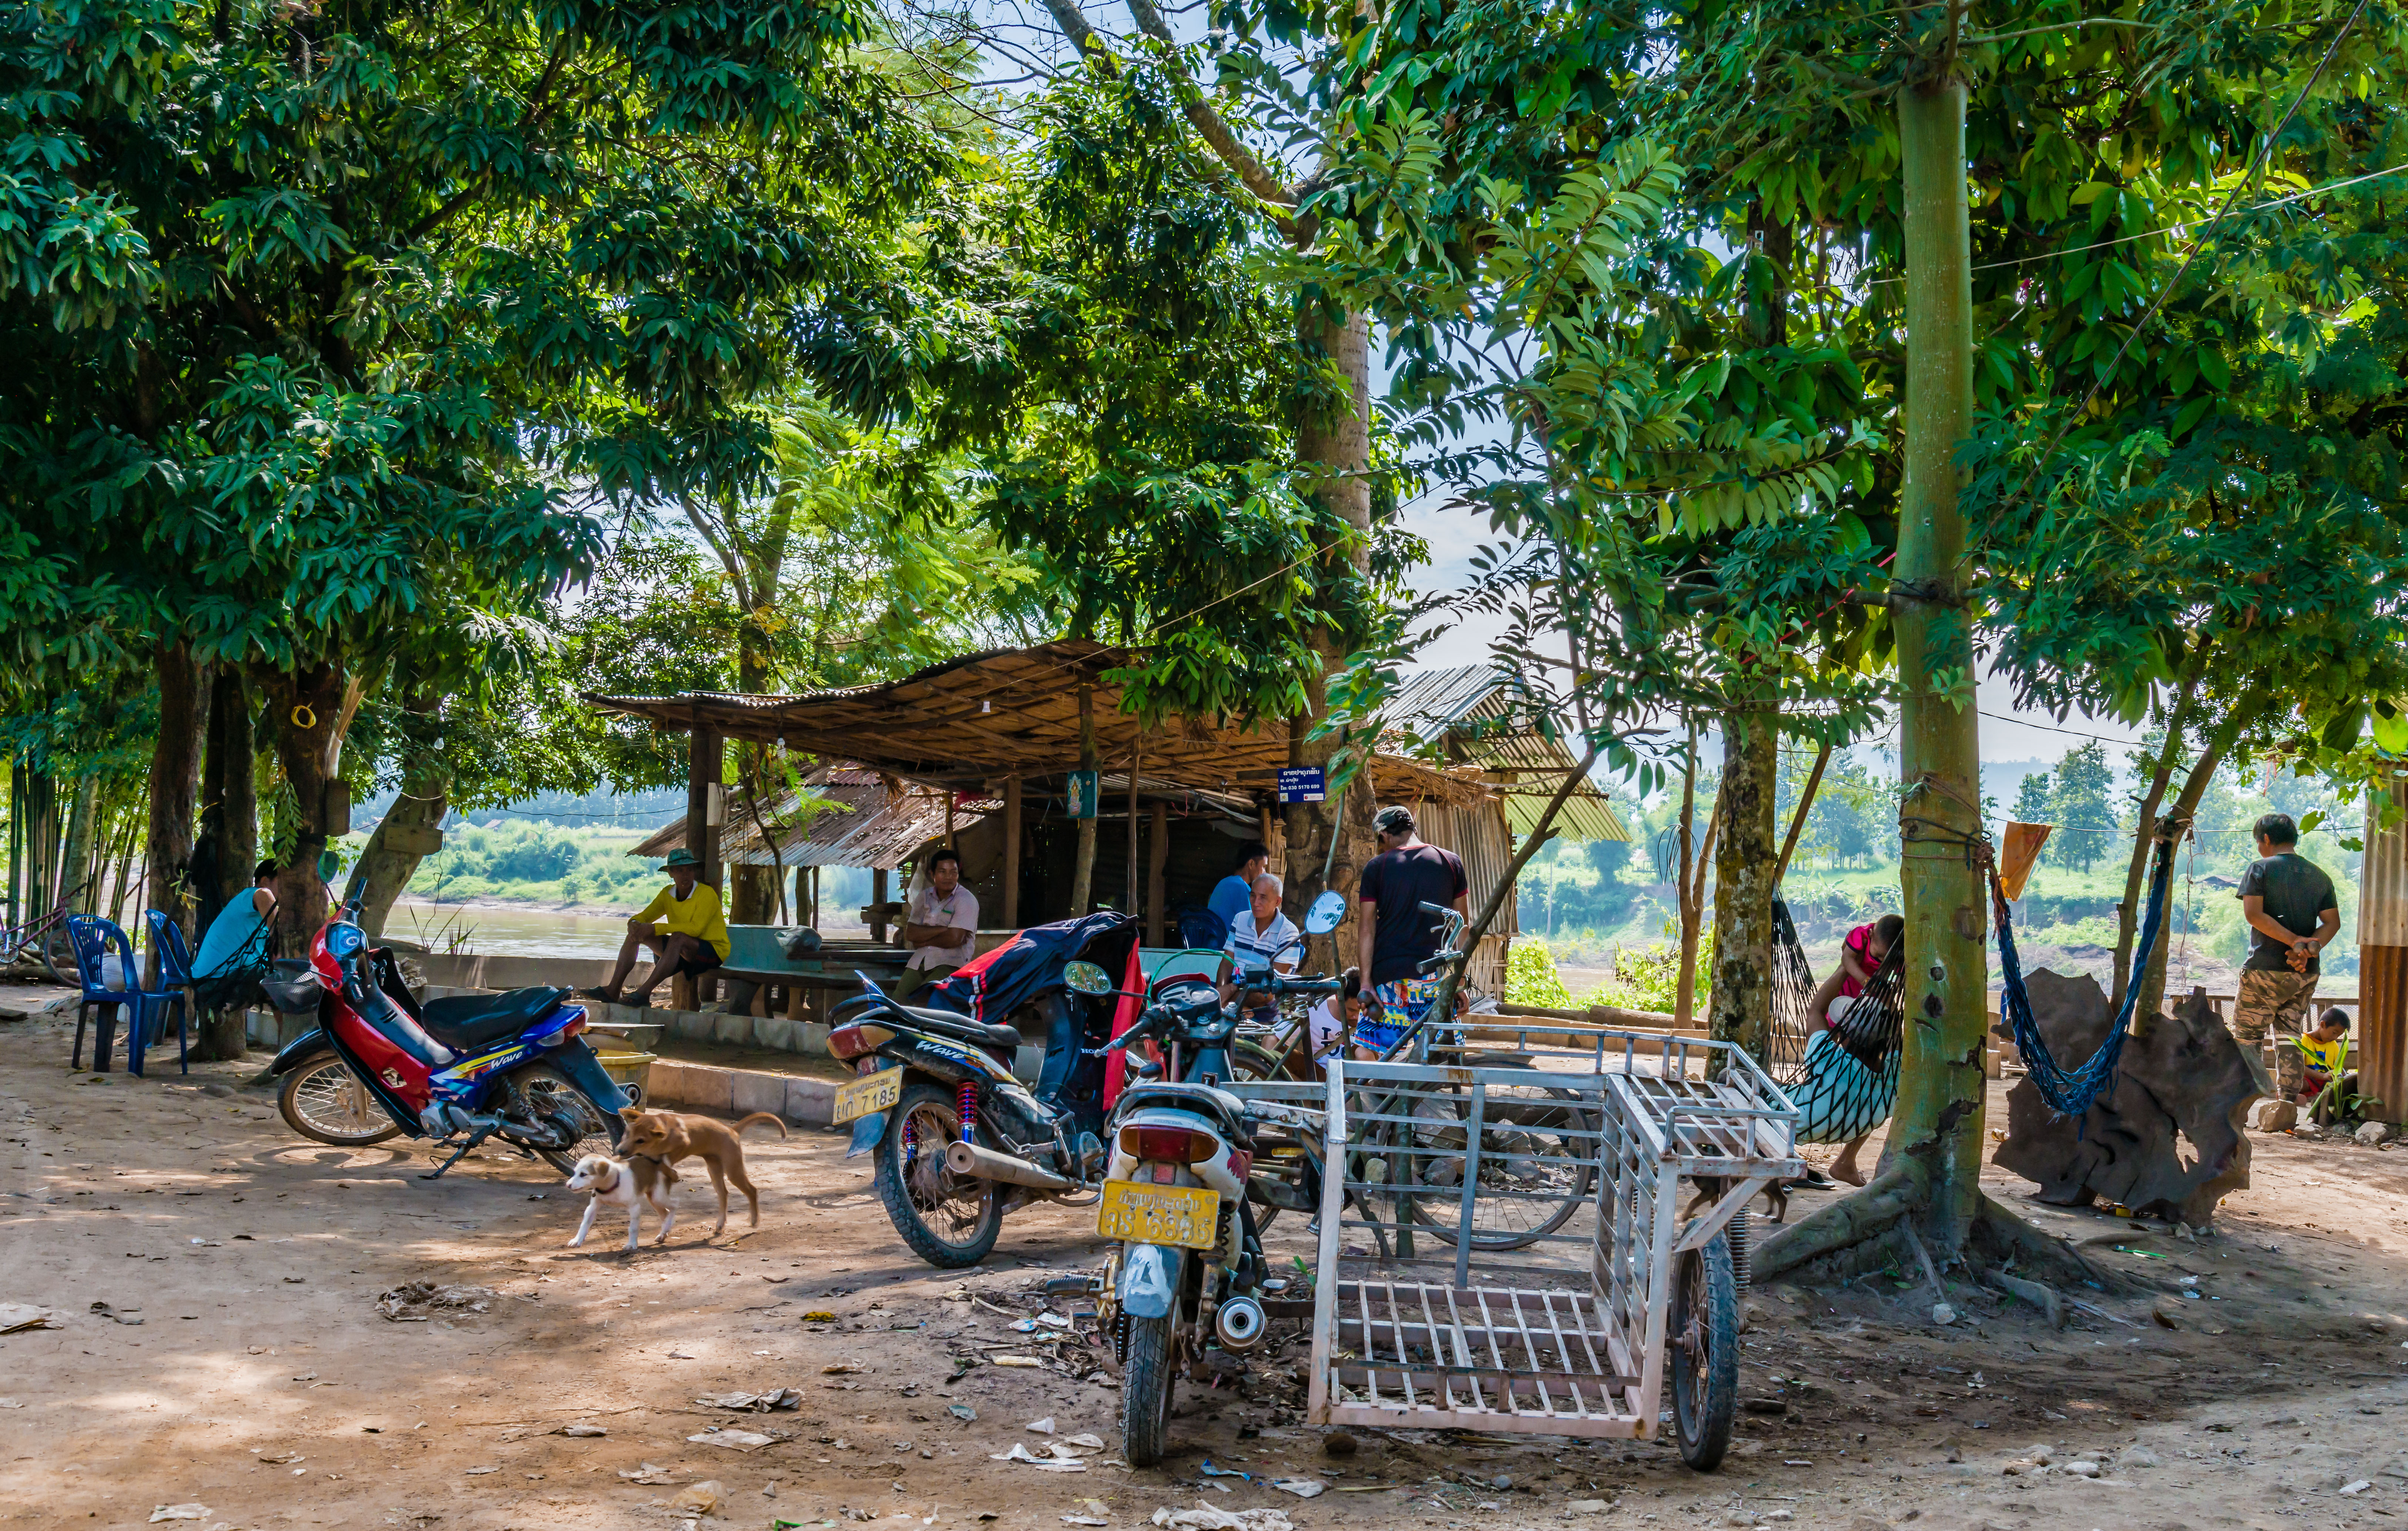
<point>951,1221</point>
<point>322,1101</point>
<point>541,1093</point>
<point>1146,1383</point>
<point>1704,1352</point>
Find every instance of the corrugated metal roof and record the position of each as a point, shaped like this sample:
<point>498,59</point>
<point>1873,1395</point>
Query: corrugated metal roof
<point>876,821</point>
<point>1478,715</point>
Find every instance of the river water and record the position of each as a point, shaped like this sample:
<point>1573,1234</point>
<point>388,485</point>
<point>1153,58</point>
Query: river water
<point>501,930</point>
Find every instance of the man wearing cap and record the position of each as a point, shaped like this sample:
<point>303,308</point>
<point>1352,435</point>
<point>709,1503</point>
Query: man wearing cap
<point>684,927</point>
<point>1398,935</point>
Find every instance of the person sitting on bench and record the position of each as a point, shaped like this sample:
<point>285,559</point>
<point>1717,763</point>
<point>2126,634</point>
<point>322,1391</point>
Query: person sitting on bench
<point>1861,954</point>
<point>684,927</point>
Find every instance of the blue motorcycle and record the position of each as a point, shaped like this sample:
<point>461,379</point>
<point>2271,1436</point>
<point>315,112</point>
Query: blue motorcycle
<point>457,1071</point>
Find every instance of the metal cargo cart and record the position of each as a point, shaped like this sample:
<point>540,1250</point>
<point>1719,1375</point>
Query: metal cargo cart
<point>1505,1249</point>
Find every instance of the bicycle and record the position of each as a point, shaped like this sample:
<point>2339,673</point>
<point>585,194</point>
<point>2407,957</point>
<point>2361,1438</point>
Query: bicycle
<point>46,938</point>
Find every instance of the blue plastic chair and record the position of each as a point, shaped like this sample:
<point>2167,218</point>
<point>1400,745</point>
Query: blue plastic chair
<point>175,987</point>
<point>94,937</point>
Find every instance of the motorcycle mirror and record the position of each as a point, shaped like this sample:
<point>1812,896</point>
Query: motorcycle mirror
<point>1087,977</point>
<point>1327,910</point>
<point>330,861</point>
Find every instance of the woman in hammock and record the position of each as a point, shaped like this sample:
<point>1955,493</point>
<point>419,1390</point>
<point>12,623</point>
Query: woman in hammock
<point>1861,954</point>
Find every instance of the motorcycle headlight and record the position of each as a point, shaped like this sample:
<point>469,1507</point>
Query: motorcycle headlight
<point>345,940</point>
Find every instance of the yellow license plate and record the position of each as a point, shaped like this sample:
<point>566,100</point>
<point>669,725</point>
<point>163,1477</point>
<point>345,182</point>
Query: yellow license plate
<point>867,1094</point>
<point>1185,1215</point>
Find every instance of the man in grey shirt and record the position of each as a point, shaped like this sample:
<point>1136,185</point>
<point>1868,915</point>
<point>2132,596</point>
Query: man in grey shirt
<point>2292,914</point>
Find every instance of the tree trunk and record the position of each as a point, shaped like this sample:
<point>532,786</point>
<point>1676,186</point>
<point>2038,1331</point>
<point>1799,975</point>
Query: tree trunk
<point>184,688</point>
<point>403,837</point>
<point>1938,1122</point>
<point>75,874</point>
<point>1798,815</point>
<point>227,846</point>
<point>2219,744</point>
<point>1689,896</point>
<point>2127,913</point>
<point>1082,866</point>
<point>306,717</point>
<point>1740,1004</point>
<point>1335,449</point>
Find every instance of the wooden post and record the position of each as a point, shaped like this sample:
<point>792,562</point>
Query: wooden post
<point>2382,957</point>
<point>1157,856</point>
<point>706,759</point>
<point>1011,851</point>
<point>1136,757</point>
<point>878,905</point>
<point>1082,866</point>
<point>704,763</point>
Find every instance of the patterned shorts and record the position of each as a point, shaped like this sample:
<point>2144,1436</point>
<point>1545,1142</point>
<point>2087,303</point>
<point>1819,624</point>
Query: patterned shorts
<point>1393,1009</point>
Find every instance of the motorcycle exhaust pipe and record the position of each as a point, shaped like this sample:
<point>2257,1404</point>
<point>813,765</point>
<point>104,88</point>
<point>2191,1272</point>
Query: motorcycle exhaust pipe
<point>1240,1322</point>
<point>985,1163</point>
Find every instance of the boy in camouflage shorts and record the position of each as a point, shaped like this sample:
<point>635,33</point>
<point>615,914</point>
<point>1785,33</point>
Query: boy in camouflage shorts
<point>2292,914</point>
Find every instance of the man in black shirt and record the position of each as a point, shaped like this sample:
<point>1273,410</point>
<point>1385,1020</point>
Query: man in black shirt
<point>2292,914</point>
<point>1398,935</point>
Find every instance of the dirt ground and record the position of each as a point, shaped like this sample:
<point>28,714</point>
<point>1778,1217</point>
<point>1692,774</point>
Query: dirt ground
<point>255,1382</point>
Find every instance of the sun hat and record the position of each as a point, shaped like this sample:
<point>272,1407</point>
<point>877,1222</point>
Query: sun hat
<point>681,857</point>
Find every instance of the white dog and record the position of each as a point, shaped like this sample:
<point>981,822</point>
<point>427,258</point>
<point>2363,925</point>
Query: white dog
<point>630,1184</point>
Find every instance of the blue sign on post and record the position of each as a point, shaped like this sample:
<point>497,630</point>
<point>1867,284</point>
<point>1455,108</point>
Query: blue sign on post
<point>1303,784</point>
<point>1085,789</point>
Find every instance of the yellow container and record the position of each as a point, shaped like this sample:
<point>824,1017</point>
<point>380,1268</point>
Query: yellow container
<point>631,1071</point>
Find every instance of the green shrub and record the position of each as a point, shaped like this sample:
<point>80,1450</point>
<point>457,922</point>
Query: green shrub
<point>1649,977</point>
<point>1530,976</point>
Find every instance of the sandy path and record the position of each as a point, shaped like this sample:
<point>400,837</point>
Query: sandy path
<point>254,1261</point>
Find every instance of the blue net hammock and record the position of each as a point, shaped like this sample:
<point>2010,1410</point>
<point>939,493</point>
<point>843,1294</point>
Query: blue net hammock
<point>2069,1092</point>
<point>1843,1080</point>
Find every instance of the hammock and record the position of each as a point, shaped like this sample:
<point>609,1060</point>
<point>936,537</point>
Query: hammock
<point>1844,1078</point>
<point>2069,1092</point>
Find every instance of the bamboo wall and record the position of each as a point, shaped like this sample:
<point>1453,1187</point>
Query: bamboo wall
<point>2383,958</point>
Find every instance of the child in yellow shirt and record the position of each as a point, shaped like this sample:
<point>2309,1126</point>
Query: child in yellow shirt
<point>2325,1051</point>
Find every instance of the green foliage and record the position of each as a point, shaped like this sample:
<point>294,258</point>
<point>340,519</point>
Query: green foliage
<point>333,325</point>
<point>1087,329</point>
<point>1649,977</point>
<point>2032,799</point>
<point>1530,976</point>
<point>2082,805</point>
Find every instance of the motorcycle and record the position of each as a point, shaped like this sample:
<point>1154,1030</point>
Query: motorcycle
<point>959,1140</point>
<point>459,1071</point>
<point>1179,1286</point>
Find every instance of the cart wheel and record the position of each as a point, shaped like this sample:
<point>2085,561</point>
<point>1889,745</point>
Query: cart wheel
<point>1704,1362</point>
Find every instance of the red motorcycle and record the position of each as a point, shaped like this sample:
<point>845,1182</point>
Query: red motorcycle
<point>457,1071</point>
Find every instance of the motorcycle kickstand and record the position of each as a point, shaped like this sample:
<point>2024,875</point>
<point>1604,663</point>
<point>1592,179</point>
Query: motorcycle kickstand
<point>474,1139</point>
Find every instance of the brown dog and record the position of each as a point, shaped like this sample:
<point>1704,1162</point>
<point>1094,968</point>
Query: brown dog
<point>672,1135</point>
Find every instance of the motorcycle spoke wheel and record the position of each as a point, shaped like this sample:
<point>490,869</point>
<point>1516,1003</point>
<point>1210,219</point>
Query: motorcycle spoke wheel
<point>324,1102</point>
<point>948,1219</point>
<point>544,1095</point>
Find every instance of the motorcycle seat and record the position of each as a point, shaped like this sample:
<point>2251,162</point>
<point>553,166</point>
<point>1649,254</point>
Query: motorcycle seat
<point>961,1027</point>
<point>1225,1107</point>
<point>468,1022</point>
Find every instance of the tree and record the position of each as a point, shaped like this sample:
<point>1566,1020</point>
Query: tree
<point>1181,450</point>
<point>318,310</point>
<point>2032,798</point>
<point>2081,804</point>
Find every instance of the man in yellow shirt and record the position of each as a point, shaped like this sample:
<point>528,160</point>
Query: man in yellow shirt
<point>684,927</point>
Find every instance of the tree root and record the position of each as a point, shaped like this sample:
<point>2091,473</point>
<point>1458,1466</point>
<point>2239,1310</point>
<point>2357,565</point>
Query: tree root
<point>2001,1235</point>
<point>1853,1218</point>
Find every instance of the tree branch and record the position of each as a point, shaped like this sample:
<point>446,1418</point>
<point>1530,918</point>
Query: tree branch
<point>1251,172</point>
